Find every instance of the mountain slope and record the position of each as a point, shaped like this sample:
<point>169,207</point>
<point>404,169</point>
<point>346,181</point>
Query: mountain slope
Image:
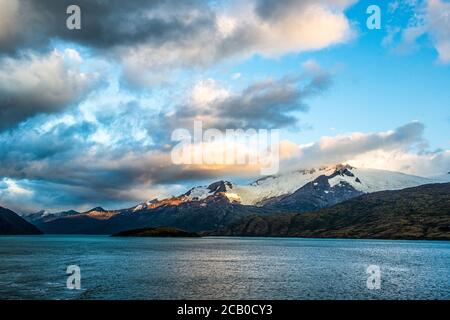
<point>13,224</point>
<point>414,213</point>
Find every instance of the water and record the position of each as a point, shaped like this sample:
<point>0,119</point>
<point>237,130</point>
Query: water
<point>34,267</point>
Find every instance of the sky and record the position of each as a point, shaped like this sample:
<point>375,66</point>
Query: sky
<point>87,115</point>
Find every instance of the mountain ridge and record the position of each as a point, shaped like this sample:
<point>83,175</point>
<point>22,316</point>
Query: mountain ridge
<point>206,208</point>
<point>421,212</point>
<point>12,224</point>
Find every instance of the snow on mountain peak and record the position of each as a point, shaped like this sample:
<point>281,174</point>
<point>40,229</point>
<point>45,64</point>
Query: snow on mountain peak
<point>200,193</point>
<point>219,187</point>
<point>256,193</point>
<point>362,179</point>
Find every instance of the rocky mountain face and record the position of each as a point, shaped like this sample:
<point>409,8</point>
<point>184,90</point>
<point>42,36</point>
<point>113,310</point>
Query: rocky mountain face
<point>414,213</point>
<point>209,209</point>
<point>196,194</point>
<point>317,194</point>
<point>12,224</point>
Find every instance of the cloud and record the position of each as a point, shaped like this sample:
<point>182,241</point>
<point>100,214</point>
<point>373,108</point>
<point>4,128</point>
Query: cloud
<point>403,149</point>
<point>438,25</point>
<point>35,84</point>
<point>240,32</point>
<point>429,18</point>
<point>8,27</point>
<point>436,163</point>
<point>287,26</point>
<point>151,39</point>
<point>331,150</point>
<point>104,24</point>
<point>267,104</point>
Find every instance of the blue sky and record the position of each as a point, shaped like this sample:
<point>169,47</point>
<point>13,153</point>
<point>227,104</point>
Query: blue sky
<point>86,115</point>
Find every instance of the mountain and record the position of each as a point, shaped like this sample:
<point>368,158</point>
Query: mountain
<point>196,194</point>
<point>46,216</point>
<point>199,209</point>
<point>414,213</point>
<point>221,203</point>
<point>322,192</point>
<point>361,179</point>
<point>12,224</point>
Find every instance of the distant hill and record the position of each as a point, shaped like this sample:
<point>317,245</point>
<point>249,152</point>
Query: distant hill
<point>414,213</point>
<point>157,232</point>
<point>12,224</point>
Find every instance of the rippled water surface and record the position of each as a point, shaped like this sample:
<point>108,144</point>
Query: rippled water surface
<point>34,267</point>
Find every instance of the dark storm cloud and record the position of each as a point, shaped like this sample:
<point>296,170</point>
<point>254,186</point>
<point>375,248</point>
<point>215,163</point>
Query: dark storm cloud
<point>269,9</point>
<point>151,39</point>
<point>104,24</point>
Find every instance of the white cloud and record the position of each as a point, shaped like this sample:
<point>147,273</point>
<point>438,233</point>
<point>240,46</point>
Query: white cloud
<point>427,164</point>
<point>429,18</point>
<point>208,91</point>
<point>305,27</point>
<point>241,32</point>
<point>401,149</point>
<point>438,25</point>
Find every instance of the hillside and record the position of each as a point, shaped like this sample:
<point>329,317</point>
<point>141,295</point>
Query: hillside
<point>414,213</point>
<point>13,224</point>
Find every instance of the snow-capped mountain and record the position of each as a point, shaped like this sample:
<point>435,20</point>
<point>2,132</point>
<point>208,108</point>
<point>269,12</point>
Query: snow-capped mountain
<point>268,188</point>
<point>222,202</point>
<point>197,194</point>
<point>322,192</point>
<point>362,179</point>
